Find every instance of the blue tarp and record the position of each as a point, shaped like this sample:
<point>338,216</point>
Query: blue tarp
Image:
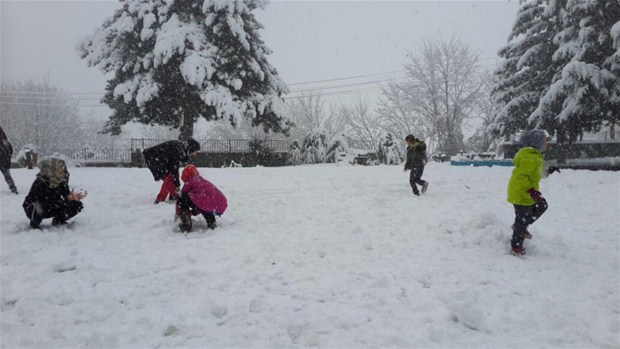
<point>477,163</point>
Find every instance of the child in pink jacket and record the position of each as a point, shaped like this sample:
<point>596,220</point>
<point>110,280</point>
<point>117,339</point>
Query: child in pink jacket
<point>199,196</point>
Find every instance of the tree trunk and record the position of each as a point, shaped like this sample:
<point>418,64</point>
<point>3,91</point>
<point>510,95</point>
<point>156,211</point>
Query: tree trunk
<point>187,129</point>
<point>561,144</point>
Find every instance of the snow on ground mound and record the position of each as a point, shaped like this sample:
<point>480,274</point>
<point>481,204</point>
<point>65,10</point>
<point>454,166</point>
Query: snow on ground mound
<point>323,255</point>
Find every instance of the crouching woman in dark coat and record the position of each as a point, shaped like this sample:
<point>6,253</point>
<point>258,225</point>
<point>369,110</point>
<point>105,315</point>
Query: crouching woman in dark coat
<point>50,196</point>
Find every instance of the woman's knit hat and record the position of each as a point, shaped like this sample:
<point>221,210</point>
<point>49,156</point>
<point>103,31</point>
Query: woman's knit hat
<point>534,138</point>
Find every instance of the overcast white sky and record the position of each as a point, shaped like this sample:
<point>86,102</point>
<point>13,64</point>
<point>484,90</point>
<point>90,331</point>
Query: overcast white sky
<point>311,40</point>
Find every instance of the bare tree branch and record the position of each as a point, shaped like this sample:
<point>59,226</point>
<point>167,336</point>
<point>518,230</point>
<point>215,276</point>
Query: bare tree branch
<point>441,92</point>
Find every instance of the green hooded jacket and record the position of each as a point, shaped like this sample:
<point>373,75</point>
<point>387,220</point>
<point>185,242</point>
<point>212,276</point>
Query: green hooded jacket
<point>416,155</point>
<point>529,164</point>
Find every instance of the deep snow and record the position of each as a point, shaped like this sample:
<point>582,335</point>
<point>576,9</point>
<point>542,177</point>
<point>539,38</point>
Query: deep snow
<point>321,255</point>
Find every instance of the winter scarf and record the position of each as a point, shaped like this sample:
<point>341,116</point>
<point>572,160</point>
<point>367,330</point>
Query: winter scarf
<point>49,170</point>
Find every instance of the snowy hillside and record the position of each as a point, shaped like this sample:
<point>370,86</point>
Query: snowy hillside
<point>327,256</point>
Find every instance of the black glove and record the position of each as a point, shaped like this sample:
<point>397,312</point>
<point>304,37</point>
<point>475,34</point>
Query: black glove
<point>552,169</point>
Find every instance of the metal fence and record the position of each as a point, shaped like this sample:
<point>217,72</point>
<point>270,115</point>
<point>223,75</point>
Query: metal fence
<point>221,145</point>
<point>360,144</point>
<point>241,145</point>
<point>595,137</point>
<point>206,145</point>
<point>604,136</point>
<point>143,143</point>
<point>91,155</point>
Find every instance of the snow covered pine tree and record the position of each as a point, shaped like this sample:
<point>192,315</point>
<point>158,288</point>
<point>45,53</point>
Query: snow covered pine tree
<point>585,93</point>
<point>176,61</point>
<point>527,69</point>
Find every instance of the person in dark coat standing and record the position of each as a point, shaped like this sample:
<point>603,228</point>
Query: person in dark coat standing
<point>50,196</point>
<point>6,151</point>
<point>164,161</point>
<point>416,160</point>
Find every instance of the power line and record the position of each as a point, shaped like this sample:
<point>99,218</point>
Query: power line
<point>348,85</point>
<point>358,84</point>
<point>33,104</point>
<point>371,89</point>
<point>321,88</point>
<point>53,105</point>
<point>345,78</point>
<point>49,98</point>
<point>61,94</point>
<point>366,75</point>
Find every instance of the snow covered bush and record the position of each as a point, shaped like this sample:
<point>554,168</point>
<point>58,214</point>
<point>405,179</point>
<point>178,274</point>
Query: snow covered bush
<point>294,153</point>
<point>389,152</point>
<point>317,148</point>
<point>314,148</point>
<point>27,155</point>
<point>337,145</point>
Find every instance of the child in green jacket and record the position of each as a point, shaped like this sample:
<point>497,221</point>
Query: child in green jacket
<point>523,189</point>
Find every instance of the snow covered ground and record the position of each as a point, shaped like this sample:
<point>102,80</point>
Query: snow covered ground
<point>325,255</point>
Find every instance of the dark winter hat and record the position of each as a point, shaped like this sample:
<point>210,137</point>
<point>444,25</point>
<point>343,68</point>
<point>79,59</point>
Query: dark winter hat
<point>410,138</point>
<point>192,145</point>
<point>534,138</point>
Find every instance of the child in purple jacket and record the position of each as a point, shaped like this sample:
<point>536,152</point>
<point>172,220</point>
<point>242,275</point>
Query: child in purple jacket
<point>199,196</point>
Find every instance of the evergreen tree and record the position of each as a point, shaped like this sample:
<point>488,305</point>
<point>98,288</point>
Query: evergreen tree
<point>294,153</point>
<point>528,68</point>
<point>388,151</point>
<point>175,61</point>
<point>584,95</point>
<point>314,148</point>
